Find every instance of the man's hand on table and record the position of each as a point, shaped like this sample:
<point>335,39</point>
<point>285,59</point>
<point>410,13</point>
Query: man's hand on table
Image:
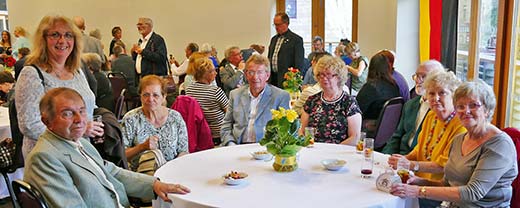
<point>162,189</point>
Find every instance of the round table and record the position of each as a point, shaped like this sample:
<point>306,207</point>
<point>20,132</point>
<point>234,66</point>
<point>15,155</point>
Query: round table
<point>309,186</point>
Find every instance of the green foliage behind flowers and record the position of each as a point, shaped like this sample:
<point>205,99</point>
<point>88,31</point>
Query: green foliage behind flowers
<point>281,134</point>
<point>293,80</point>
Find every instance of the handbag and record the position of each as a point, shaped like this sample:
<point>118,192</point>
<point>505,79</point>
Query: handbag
<point>7,149</point>
<point>150,161</point>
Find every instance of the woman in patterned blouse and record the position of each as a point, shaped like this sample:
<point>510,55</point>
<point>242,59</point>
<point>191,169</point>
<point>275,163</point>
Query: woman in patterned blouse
<point>153,125</point>
<point>332,112</point>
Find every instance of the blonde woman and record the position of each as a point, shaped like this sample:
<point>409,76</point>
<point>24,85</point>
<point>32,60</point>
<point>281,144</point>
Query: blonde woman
<point>56,53</point>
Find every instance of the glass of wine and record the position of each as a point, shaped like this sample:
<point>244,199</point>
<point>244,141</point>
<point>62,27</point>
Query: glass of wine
<point>310,132</point>
<point>368,158</point>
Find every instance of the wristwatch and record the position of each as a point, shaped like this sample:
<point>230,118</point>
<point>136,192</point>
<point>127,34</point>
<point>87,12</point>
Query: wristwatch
<point>415,166</point>
<point>422,192</point>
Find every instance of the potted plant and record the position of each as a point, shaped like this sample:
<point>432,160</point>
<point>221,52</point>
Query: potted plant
<point>282,140</point>
<point>293,82</point>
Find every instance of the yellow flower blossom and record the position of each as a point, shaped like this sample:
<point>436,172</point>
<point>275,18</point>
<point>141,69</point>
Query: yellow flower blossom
<point>291,115</point>
<point>276,114</point>
<point>282,111</point>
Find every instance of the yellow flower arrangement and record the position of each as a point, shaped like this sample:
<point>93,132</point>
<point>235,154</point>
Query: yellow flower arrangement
<point>281,136</point>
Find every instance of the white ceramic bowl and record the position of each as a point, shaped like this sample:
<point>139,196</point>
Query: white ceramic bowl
<point>333,164</point>
<point>235,181</point>
<point>261,155</point>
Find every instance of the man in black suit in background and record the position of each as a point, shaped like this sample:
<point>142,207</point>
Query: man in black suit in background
<point>150,52</point>
<point>285,50</point>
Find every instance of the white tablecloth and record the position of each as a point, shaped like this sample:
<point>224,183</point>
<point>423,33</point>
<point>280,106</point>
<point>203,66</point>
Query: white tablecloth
<point>309,186</point>
<point>5,131</point>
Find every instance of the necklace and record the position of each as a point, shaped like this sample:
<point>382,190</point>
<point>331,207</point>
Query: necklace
<point>333,99</point>
<point>428,148</point>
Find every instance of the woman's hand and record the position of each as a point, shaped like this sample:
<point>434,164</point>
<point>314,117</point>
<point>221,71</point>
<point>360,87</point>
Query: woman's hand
<point>94,129</point>
<point>404,190</point>
<point>392,160</point>
<point>151,143</point>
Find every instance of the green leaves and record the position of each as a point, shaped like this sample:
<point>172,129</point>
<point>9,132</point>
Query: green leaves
<point>281,137</point>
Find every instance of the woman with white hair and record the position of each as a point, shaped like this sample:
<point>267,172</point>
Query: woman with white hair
<point>482,163</point>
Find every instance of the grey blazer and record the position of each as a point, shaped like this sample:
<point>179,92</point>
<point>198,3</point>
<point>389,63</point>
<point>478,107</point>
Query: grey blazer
<point>237,115</point>
<point>230,79</point>
<point>66,179</point>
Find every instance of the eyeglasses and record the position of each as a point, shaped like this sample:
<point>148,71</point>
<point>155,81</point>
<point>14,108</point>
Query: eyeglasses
<point>252,73</point>
<point>154,95</point>
<point>328,76</point>
<point>471,106</point>
<point>418,77</point>
<point>278,24</point>
<point>57,36</point>
<point>68,114</point>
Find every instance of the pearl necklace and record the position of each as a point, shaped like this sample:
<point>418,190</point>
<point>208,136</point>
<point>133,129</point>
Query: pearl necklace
<point>429,149</point>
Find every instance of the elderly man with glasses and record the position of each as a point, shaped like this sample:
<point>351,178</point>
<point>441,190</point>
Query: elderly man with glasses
<point>250,105</point>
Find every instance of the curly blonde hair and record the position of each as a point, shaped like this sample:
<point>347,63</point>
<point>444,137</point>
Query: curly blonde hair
<point>335,64</point>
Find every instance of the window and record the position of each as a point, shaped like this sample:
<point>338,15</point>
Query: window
<point>338,22</point>
<point>484,40</point>
<point>513,118</point>
<point>330,19</point>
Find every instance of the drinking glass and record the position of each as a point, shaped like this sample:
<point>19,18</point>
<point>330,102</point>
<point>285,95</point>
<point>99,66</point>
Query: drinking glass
<point>368,147</point>
<point>359,145</point>
<point>403,169</point>
<point>98,139</point>
<point>310,132</point>
<point>367,164</point>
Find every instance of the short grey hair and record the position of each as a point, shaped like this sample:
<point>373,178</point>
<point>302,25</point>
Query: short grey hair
<point>147,21</point>
<point>206,48</point>
<point>433,65</point>
<point>479,89</point>
<point>92,61</point>
<point>227,52</point>
<point>447,80</point>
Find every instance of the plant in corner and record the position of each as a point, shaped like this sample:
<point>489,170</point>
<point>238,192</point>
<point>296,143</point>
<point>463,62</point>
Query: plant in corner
<point>282,140</point>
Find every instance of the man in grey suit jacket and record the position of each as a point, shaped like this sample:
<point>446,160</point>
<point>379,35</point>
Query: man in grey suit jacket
<point>68,170</point>
<point>232,75</point>
<point>250,105</point>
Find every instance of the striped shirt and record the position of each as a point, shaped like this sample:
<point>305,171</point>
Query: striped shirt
<point>213,102</point>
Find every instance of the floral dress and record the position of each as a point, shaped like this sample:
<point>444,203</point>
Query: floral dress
<point>330,118</point>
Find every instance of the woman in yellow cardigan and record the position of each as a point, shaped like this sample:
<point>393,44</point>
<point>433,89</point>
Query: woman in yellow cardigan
<point>440,125</point>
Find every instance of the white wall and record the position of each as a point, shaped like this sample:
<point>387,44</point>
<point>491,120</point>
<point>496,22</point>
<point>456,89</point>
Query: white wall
<point>393,25</point>
<point>222,23</point>
<point>383,24</point>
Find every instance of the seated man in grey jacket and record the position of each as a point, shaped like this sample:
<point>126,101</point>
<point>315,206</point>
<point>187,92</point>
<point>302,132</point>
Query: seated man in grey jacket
<point>68,170</point>
<point>250,105</point>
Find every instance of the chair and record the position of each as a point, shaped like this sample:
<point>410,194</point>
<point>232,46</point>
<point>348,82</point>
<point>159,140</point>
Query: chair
<point>27,196</point>
<point>118,83</point>
<point>8,183</point>
<point>119,105</point>
<point>515,135</point>
<point>387,121</point>
<point>199,133</point>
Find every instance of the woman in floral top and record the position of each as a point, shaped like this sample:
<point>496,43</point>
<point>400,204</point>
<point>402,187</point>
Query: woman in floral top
<point>332,112</point>
<point>154,126</point>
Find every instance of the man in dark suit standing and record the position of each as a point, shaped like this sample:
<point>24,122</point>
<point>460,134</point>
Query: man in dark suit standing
<point>285,50</point>
<point>150,52</point>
